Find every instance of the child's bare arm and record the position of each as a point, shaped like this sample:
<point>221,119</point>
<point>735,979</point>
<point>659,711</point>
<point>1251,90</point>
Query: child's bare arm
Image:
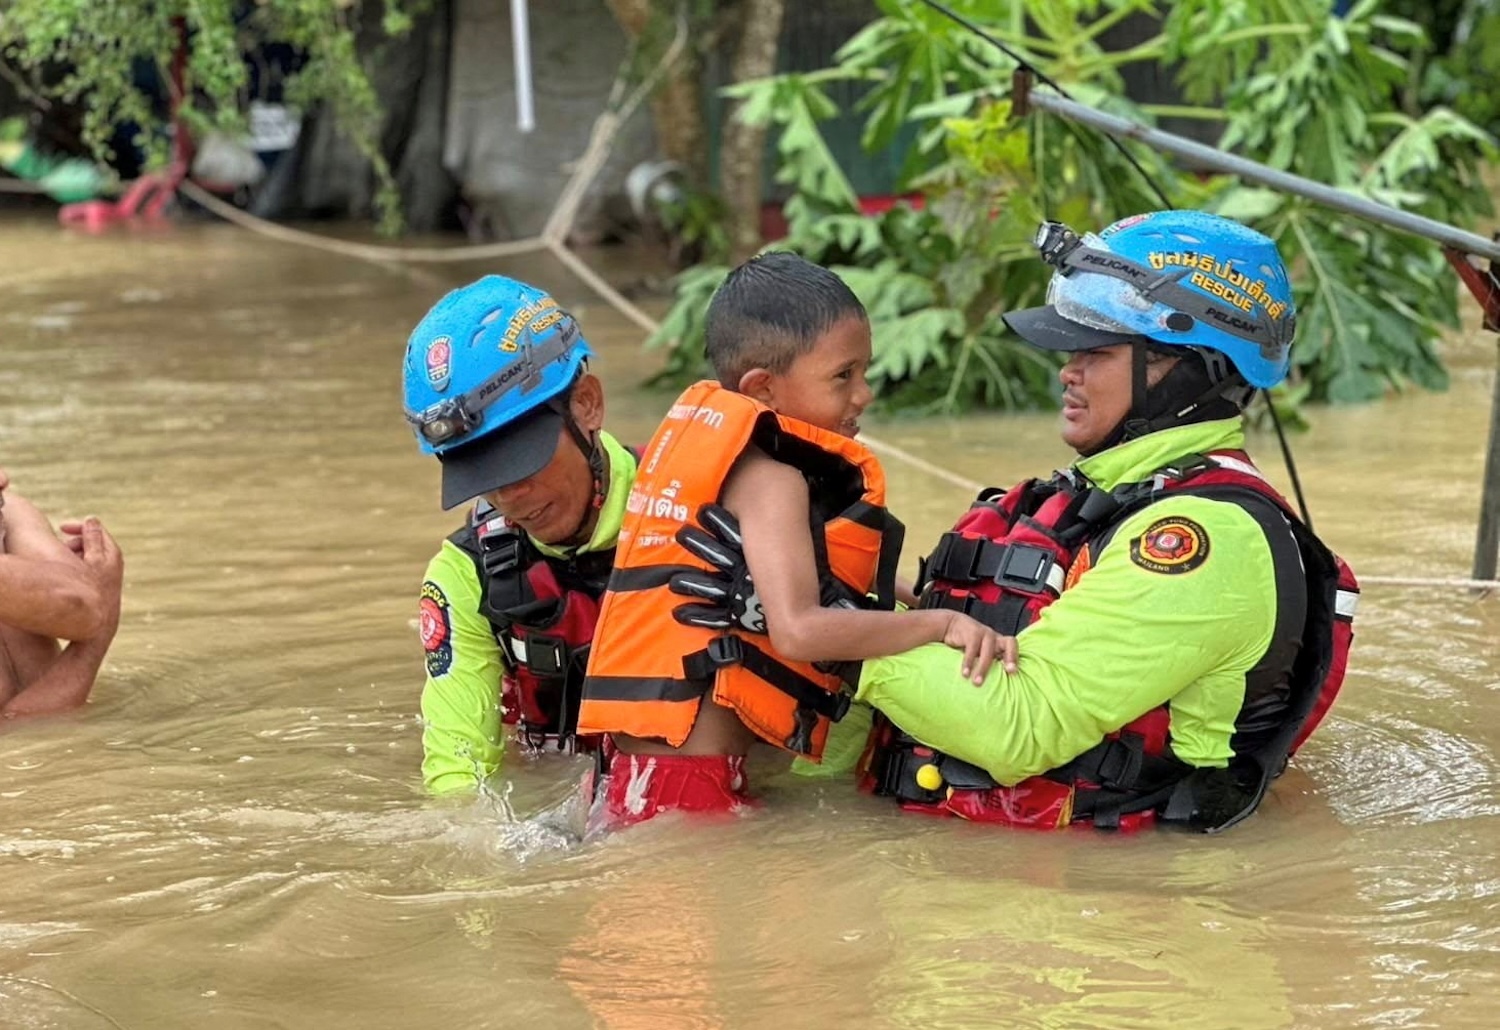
<point>770,499</point>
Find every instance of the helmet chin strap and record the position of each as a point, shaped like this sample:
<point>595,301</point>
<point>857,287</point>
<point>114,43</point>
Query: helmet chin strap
<point>588,444</point>
<point>1195,389</point>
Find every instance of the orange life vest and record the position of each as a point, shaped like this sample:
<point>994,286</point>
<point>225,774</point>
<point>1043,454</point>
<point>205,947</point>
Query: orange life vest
<point>647,672</point>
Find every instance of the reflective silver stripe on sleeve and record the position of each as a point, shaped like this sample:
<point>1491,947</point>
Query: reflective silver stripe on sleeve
<point>1346,603</point>
<point>1236,465</point>
<point>1056,577</point>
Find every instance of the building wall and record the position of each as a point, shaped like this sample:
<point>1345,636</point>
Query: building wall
<point>512,179</point>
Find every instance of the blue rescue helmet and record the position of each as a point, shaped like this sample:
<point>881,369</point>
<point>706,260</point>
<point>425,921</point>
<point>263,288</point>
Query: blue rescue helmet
<point>485,383</point>
<point>1175,278</point>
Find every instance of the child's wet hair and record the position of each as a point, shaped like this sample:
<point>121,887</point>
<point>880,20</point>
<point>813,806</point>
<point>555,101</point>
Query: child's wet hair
<point>771,309</point>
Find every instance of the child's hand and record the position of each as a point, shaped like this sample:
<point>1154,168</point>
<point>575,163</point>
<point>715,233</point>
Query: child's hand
<point>980,645</point>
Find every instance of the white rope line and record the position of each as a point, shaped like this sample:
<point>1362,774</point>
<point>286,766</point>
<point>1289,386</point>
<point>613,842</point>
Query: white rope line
<point>554,235</point>
<point>1422,581</point>
<point>921,464</point>
<point>348,248</point>
<point>591,278</point>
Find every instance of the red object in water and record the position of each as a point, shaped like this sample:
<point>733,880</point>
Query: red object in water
<point>147,198</point>
<point>773,225</point>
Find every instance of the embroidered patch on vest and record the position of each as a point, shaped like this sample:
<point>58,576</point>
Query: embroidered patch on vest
<point>1170,546</point>
<point>1081,564</point>
<point>435,629</point>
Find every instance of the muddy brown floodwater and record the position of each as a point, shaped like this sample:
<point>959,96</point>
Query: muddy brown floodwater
<point>232,834</point>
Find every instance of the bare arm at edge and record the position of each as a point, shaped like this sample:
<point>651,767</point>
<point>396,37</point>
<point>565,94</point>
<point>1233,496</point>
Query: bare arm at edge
<point>48,590</point>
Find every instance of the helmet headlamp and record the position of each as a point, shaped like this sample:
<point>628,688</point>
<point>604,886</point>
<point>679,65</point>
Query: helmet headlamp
<point>1056,241</point>
<point>445,420</point>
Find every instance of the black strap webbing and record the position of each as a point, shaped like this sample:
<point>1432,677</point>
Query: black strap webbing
<point>812,700</point>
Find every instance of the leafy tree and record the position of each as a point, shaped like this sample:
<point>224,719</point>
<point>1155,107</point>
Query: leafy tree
<point>715,217</point>
<point>1465,36</point>
<point>87,51</point>
<point>1293,86</point>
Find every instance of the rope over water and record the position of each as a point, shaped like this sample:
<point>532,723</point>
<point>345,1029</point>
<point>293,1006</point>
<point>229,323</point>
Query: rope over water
<point>560,222</point>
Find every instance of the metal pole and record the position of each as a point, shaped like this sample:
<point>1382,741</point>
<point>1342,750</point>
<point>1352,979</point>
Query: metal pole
<point>520,31</point>
<point>1253,171</point>
<point>1456,242</point>
<point>1487,539</point>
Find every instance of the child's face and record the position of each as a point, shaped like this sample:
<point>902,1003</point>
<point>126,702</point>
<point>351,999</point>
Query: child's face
<point>826,385</point>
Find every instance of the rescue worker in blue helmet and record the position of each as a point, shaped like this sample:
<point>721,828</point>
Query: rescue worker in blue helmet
<point>497,387</point>
<point>1180,630</point>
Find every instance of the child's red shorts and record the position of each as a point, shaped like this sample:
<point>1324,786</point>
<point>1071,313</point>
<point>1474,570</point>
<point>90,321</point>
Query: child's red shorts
<point>641,787</point>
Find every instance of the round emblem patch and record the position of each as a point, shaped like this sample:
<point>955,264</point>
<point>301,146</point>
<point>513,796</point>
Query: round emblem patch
<point>435,629</point>
<point>1170,546</point>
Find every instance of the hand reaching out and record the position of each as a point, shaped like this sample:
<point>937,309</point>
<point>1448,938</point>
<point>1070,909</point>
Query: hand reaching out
<point>980,645</point>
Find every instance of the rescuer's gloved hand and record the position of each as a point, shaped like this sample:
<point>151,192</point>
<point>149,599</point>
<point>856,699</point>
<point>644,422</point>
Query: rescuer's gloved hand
<point>733,603</point>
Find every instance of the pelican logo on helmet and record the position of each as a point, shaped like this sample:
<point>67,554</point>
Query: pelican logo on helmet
<point>1225,318</point>
<point>1103,260</point>
<point>439,362</point>
<point>499,382</point>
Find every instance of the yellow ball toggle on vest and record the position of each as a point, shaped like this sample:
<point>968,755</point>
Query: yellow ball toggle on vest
<point>929,777</point>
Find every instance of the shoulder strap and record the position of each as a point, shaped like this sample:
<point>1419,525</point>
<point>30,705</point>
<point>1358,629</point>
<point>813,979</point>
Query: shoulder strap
<point>1306,588</point>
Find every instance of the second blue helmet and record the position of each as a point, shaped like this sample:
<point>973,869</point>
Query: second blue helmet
<point>483,357</point>
<point>1178,278</point>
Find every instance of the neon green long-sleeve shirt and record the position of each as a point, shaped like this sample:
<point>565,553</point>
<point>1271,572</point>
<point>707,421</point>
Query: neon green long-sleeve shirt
<point>462,742</point>
<point>1130,635</point>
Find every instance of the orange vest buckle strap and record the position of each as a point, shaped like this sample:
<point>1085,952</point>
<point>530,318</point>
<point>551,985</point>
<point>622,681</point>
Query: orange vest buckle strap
<point>812,700</point>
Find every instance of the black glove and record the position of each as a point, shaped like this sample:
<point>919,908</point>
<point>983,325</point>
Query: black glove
<point>734,604</point>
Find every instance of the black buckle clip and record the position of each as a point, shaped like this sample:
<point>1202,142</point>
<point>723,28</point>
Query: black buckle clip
<point>898,776</point>
<point>546,656</point>
<point>501,552</point>
<point>724,651</point>
<point>1025,567</point>
<point>840,707</point>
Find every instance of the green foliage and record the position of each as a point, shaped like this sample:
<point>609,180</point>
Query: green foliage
<point>1464,78</point>
<point>1465,38</point>
<point>1372,302</point>
<point>99,42</point>
<point>1294,87</point>
<point>698,225</point>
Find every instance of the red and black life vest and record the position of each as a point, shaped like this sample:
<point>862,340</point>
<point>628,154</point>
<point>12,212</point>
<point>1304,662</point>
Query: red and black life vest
<point>543,610</point>
<point>1012,554</point>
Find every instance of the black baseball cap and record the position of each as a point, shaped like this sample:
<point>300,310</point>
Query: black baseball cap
<point>501,457</point>
<point>1043,327</point>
